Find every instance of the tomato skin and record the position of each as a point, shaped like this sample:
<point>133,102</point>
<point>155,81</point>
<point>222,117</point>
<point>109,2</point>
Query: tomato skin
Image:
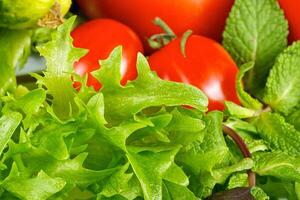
<point>291,12</point>
<point>207,66</point>
<point>204,17</point>
<point>100,37</point>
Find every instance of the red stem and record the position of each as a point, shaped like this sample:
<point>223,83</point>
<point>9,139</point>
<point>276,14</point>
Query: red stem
<point>243,148</point>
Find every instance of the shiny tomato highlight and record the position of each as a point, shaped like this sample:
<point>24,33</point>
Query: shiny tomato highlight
<point>207,66</point>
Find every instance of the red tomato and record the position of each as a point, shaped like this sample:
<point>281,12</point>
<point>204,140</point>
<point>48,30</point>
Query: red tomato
<point>100,37</point>
<point>207,66</point>
<point>291,10</point>
<point>204,17</point>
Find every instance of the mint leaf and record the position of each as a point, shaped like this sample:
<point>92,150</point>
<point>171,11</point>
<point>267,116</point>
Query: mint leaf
<point>259,194</point>
<point>278,134</point>
<point>236,111</point>
<point>15,48</point>
<point>238,180</point>
<point>276,188</point>
<point>246,99</point>
<point>277,164</point>
<point>282,89</point>
<point>256,30</point>
<point>146,91</point>
<point>294,118</point>
<point>60,56</point>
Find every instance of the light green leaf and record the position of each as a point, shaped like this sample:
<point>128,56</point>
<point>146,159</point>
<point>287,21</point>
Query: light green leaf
<point>118,135</point>
<point>176,175</point>
<point>8,124</point>
<point>110,74</point>
<point>178,192</point>
<point>122,183</point>
<point>40,187</point>
<point>278,134</point>
<point>14,51</point>
<point>213,150</point>
<point>234,110</point>
<point>146,91</point>
<point>60,56</point>
<point>74,173</point>
<point>149,167</point>
<point>282,89</point>
<point>95,107</point>
<point>246,99</point>
<point>184,129</point>
<point>51,139</point>
<point>256,31</point>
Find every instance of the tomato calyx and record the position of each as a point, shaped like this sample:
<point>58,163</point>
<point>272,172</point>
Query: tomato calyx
<point>160,40</point>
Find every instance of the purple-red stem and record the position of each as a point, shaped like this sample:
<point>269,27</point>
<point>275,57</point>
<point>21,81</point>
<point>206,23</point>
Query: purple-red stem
<point>244,149</point>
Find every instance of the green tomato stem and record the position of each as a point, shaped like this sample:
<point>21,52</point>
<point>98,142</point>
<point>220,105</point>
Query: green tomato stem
<point>183,41</point>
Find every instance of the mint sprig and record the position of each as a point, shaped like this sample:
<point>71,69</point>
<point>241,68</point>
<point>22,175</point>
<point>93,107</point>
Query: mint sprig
<point>256,31</point>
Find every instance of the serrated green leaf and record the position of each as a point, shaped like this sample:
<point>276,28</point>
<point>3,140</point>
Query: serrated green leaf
<point>203,156</point>
<point>278,134</point>
<point>122,183</point>
<point>145,164</point>
<point>40,187</point>
<point>184,129</point>
<point>51,139</point>
<point>8,124</point>
<point>146,91</point>
<point>60,56</point>
<point>175,174</point>
<point>256,31</point>
<point>178,192</point>
<point>110,74</point>
<point>282,89</point>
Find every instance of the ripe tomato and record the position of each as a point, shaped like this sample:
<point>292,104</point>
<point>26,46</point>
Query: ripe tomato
<point>100,37</point>
<point>207,66</point>
<point>204,17</point>
<point>291,11</point>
